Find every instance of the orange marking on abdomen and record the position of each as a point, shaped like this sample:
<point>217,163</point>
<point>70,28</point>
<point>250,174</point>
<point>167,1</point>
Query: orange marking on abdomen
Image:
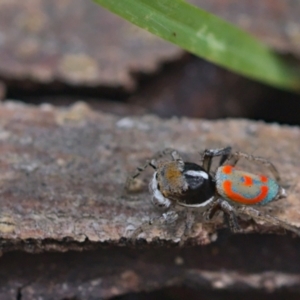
<point>247,180</point>
<point>227,169</point>
<point>263,178</point>
<point>227,186</point>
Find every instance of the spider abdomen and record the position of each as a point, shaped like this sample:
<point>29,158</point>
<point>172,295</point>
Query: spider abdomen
<point>246,188</point>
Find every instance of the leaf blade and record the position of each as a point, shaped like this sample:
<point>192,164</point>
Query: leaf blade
<point>209,37</point>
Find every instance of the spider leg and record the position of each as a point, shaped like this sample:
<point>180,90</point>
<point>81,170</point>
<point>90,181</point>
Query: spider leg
<point>229,213</point>
<point>176,156</point>
<point>153,163</point>
<point>213,208</point>
<point>131,178</point>
<point>186,218</point>
<point>188,224</point>
<point>257,215</point>
<point>210,153</point>
<point>235,157</point>
<point>165,219</point>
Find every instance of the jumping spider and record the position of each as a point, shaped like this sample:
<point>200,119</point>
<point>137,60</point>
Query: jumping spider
<point>229,189</point>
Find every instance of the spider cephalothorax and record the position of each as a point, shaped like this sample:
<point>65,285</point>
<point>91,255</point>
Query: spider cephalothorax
<point>184,183</point>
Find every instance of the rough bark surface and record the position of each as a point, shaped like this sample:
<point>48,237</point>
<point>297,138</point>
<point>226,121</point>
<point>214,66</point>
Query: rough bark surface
<point>78,42</point>
<point>62,188</point>
<point>75,42</point>
<point>63,173</point>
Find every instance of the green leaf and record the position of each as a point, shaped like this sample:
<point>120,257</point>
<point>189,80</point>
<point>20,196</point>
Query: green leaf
<point>209,37</point>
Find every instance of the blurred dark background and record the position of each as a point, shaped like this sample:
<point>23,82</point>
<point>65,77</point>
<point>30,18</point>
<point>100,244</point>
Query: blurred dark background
<point>77,51</point>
